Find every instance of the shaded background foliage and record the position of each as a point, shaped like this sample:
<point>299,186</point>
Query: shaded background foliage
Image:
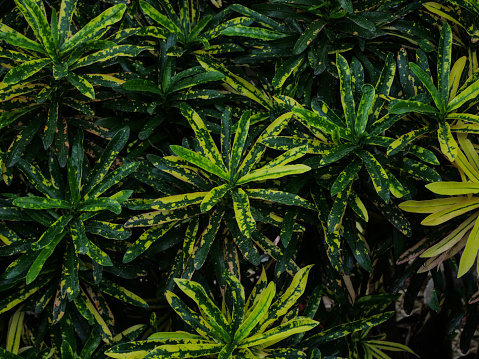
<point>148,146</point>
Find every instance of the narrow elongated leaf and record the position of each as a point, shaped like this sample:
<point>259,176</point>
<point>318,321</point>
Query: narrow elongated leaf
<point>427,81</point>
<point>253,32</point>
<point>447,141</point>
<point>337,211</point>
<point>64,20</point>
<point>40,203</point>
<point>444,61</point>
<point>470,251</point>
<point>159,217</point>
<point>337,153</point>
<point>213,196</point>
<point>190,317</point>
<point>465,95</point>
<point>207,238</point>
<point>295,326</point>
<point>239,141</point>
<point>94,28</point>
<point>450,212</point>
<point>146,240</point>
<point>364,108</point>
<point>237,83</point>
<point>100,204</point>
<point>346,176</point>
<point>280,197</point>
<point>259,309</point>
<point>196,292</point>
<point>81,84</point>
<point>281,306</point>
<point>433,205</point>
<point>52,232</point>
<point>377,173</point>
<point>184,351</point>
<point>406,106</point>
<point>199,161</point>
<point>347,98</point>
<point>346,328</point>
<point>109,54</point>
<point>14,38</point>
<point>178,201</point>
<point>272,173</point>
<point>46,252</point>
<point>203,136</point>
<point>104,163</point>
<point>406,139</point>
<point>308,36</point>
<point>246,222</point>
<point>25,70</point>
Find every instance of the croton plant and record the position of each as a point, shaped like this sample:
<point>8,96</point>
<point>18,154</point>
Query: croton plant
<point>276,179</point>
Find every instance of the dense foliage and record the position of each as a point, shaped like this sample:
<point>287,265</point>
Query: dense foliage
<point>200,178</point>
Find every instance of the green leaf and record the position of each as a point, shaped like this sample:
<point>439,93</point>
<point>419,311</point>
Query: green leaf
<point>94,28</point>
<point>81,84</point>
<point>208,309</point>
<point>190,317</point>
<point>238,297</point>
<point>346,90</point>
<point>25,70</point>
<point>104,163</point>
<point>237,83</point>
<point>446,140</point>
<point>108,54</point>
<point>427,81</point>
<point>285,70</point>
<point>337,211</point>
<point>239,142</point>
<point>178,201</point>
<point>377,173</point>
<point>406,139</point>
<point>346,176</point>
<point>207,237</point>
<point>52,232</point>
<point>342,330</point>
<point>108,230</point>
<point>281,306</point>
<point>199,161</point>
<point>112,179</point>
<point>14,38</point>
<point>145,240</point>
<point>40,203</point>
<point>160,217</point>
<point>246,222</point>
<point>335,154</point>
<point>406,106</point>
<point>77,230</point>
<point>46,252</point>
<point>364,108</point>
<point>184,351</point>
<point>161,19</point>
<point>35,17</point>
<point>328,123</point>
<point>100,204</point>
<point>253,32</point>
<point>470,93</point>
<point>279,197</point>
<point>203,136</point>
<point>295,326</point>
<point>308,36</point>
<point>213,197</point>
<point>64,19</point>
<point>444,61</point>
<point>272,173</point>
